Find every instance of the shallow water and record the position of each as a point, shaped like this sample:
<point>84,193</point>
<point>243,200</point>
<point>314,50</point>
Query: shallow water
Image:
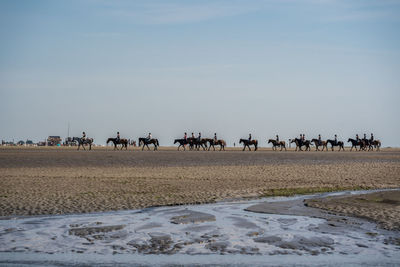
<point>212,234</point>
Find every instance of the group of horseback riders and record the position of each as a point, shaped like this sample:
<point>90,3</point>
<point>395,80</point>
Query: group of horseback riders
<point>364,143</point>
<point>197,142</point>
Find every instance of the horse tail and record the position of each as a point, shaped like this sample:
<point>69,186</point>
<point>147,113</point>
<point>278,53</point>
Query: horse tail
<point>158,144</point>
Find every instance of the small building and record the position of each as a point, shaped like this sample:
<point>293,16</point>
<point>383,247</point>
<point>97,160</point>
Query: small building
<point>54,140</point>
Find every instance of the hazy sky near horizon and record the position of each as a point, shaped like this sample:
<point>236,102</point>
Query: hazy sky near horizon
<point>231,67</point>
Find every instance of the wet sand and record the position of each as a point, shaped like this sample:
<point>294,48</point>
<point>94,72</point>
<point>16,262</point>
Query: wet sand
<point>380,207</point>
<point>58,181</point>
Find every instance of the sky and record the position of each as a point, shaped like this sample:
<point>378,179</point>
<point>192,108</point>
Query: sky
<point>263,67</point>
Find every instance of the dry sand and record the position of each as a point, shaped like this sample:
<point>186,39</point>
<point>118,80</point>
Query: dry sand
<point>57,180</point>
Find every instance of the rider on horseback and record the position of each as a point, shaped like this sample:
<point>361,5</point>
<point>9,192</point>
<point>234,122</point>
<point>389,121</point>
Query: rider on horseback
<point>83,137</point>
<point>319,140</point>
<point>199,137</point>
<point>365,138</point>
<point>249,137</point>
<point>215,138</point>
<point>185,136</point>
<point>335,140</point>
<point>148,137</point>
<point>277,138</point>
<point>193,136</point>
<point>372,138</point>
<point>357,138</point>
<point>118,137</point>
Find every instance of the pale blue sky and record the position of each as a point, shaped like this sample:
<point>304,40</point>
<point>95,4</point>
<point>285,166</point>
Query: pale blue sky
<point>231,67</point>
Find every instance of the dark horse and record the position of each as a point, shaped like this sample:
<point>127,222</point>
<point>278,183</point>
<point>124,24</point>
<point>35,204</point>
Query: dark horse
<point>248,143</point>
<point>195,143</point>
<point>376,144</point>
<point>123,142</point>
<point>299,143</point>
<point>275,143</point>
<point>182,142</point>
<point>87,141</point>
<point>355,143</point>
<point>317,144</point>
<point>147,142</point>
<point>214,143</point>
<point>333,143</point>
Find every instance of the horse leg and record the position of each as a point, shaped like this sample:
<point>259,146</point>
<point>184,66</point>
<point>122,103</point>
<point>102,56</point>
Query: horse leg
<point>148,148</point>
<point>83,145</point>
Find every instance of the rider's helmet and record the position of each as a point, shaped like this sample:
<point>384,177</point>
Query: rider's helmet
<point>117,132</point>
<point>83,133</point>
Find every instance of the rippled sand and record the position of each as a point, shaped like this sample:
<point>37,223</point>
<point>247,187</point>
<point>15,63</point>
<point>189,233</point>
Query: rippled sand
<point>56,181</point>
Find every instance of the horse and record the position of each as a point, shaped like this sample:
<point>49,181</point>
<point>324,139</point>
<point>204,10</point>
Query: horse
<point>299,143</point>
<point>333,143</point>
<point>123,142</point>
<point>214,143</point>
<point>317,144</point>
<point>248,143</point>
<point>182,142</point>
<point>87,141</point>
<point>355,143</point>
<point>275,143</point>
<point>195,143</point>
<point>147,142</point>
<point>376,144</point>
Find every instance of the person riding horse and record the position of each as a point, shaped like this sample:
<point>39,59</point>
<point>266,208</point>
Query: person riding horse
<point>249,137</point>
<point>185,136</point>
<point>118,138</point>
<point>319,140</point>
<point>277,138</point>
<point>199,138</point>
<point>372,138</point>
<point>215,138</point>
<point>83,137</point>
<point>148,137</point>
<point>335,140</point>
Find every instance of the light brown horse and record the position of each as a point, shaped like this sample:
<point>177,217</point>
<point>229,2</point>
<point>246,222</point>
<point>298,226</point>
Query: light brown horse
<point>317,144</point>
<point>275,143</point>
<point>214,143</point>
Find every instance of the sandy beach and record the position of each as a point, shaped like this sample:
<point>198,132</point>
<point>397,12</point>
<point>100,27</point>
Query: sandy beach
<point>59,181</point>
